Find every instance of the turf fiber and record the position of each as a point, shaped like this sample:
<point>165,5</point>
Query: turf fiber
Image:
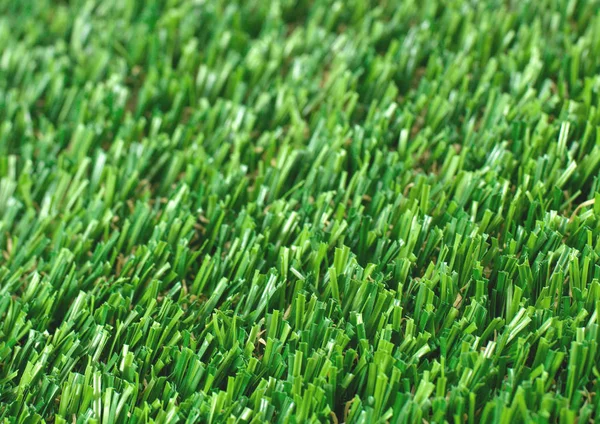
<point>298,211</point>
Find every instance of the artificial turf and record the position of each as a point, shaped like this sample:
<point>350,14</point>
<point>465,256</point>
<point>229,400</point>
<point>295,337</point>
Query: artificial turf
<point>299,211</point>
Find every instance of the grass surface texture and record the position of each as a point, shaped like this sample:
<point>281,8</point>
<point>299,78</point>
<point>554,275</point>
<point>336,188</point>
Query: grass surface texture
<point>299,211</point>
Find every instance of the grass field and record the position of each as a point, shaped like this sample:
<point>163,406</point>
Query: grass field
<point>292,211</point>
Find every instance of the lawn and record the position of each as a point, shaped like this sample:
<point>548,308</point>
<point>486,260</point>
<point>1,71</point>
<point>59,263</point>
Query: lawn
<point>299,211</point>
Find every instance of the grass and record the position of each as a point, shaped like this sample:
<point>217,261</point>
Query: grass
<point>299,211</point>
